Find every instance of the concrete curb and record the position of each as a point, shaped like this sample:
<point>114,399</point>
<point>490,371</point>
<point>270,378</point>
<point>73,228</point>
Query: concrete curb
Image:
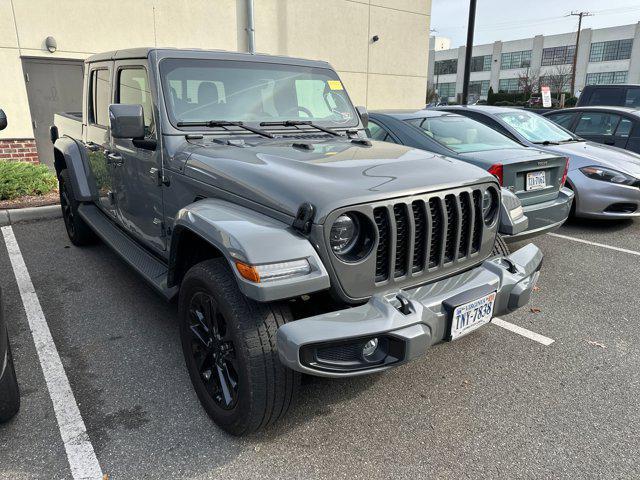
<point>8,217</point>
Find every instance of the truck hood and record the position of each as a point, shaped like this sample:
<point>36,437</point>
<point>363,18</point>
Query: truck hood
<point>584,154</point>
<point>331,173</point>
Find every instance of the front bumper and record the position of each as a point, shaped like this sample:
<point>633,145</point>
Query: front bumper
<point>598,199</point>
<point>411,320</point>
<point>545,217</point>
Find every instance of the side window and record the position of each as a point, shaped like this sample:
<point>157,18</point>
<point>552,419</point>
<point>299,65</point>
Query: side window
<point>133,88</point>
<point>563,119</point>
<point>377,132</point>
<point>597,123</point>
<point>633,97</point>
<point>624,128</point>
<point>99,97</point>
<point>606,96</point>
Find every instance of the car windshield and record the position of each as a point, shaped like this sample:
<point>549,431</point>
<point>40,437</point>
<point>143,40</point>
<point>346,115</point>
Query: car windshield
<point>535,128</point>
<point>199,90</point>
<point>462,134</point>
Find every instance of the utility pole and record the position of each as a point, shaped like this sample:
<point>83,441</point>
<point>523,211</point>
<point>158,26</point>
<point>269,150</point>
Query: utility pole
<point>575,53</point>
<point>468,51</point>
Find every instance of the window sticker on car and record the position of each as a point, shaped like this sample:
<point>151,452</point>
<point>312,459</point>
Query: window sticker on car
<point>335,84</point>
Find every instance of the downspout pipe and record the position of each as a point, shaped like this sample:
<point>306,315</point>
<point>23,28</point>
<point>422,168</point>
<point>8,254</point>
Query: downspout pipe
<point>251,31</point>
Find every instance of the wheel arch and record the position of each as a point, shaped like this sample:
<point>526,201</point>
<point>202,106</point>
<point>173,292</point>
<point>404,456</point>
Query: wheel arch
<point>212,228</point>
<point>70,156</point>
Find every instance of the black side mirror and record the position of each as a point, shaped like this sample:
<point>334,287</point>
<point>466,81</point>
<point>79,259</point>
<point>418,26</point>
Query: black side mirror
<point>3,120</point>
<point>364,116</point>
<point>126,121</point>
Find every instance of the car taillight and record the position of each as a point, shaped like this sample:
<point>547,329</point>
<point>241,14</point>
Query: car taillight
<point>496,171</point>
<point>566,171</point>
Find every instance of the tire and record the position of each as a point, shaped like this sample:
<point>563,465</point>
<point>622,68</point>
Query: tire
<point>500,247</point>
<point>237,348</point>
<point>9,393</point>
<point>78,231</point>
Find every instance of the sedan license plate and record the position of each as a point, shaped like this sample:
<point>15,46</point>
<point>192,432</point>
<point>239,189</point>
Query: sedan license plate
<point>536,180</point>
<point>470,316</point>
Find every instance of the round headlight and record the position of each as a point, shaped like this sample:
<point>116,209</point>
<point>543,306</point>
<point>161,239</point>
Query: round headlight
<point>490,202</point>
<point>344,234</point>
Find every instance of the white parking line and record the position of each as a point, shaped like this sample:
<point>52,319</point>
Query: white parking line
<point>595,244</point>
<point>80,453</point>
<point>536,337</point>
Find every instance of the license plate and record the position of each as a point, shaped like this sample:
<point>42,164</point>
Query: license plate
<point>536,180</point>
<point>472,315</point>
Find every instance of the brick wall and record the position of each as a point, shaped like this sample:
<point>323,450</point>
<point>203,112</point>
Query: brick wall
<point>21,149</point>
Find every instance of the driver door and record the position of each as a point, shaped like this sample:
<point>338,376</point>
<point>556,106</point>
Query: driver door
<point>138,167</point>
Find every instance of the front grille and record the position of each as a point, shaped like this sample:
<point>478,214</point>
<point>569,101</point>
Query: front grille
<point>428,233</point>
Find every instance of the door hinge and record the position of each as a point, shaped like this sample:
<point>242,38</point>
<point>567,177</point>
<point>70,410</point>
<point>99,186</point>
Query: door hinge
<point>26,77</point>
<point>160,178</point>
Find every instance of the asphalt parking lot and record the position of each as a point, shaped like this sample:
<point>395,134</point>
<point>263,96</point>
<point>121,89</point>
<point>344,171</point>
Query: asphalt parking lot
<point>494,404</point>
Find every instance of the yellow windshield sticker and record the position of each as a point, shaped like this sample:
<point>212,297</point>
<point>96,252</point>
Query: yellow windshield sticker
<point>335,84</point>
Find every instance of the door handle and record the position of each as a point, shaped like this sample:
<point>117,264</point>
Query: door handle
<point>609,142</point>
<point>92,147</point>
<point>114,158</point>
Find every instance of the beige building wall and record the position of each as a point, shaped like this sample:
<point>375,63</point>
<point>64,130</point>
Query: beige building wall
<point>388,73</point>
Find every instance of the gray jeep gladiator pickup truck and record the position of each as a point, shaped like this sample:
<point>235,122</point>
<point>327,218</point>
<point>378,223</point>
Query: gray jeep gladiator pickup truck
<point>245,187</point>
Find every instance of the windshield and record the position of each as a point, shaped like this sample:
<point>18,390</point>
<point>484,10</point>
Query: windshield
<point>226,90</point>
<point>462,134</point>
<point>535,128</point>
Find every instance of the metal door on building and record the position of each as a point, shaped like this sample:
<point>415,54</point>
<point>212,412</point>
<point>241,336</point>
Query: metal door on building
<point>53,86</point>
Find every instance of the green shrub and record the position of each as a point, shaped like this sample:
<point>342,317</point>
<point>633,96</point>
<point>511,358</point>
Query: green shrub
<point>18,179</point>
<point>504,103</point>
<point>570,102</point>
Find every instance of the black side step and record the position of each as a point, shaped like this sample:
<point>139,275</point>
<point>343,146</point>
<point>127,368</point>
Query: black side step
<point>152,270</point>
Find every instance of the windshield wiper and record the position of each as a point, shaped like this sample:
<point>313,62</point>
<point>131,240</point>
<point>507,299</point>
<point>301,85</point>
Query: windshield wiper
<point>546,142</point>
<point>224,123</point>
<point>294,123</point>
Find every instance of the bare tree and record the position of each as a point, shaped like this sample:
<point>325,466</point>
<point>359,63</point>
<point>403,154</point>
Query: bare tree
<point>529,80</point>
<point>559,80</point>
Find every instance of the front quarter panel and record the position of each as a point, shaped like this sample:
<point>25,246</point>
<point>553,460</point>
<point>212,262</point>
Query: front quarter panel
<point>249,237</point>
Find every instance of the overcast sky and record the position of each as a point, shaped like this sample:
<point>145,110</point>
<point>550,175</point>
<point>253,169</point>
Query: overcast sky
<point>513,19</point>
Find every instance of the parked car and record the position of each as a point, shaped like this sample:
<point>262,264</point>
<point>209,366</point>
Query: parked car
<point>245,187</point>
<point>614,126</point>
<point>9,393</point>
<point>618,95</point>
<point>536,177</point>
<point>604,179</point>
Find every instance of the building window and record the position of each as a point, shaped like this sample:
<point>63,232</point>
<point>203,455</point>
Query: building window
<point>558,55</point>
<point>446,90</point>
<point>614,50</point>
<point>515,60</point>
<point>604,78</point>
<point>509,85</point>
<point>444,67</point>
<point>480,88</point>
<point>481,63</point>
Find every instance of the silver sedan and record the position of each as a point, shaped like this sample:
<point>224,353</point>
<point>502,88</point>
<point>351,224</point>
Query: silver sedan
<point>605,179</point>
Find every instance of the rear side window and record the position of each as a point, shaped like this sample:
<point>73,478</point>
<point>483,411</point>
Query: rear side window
<point>606,96</point>
<point>563,119</point>
<point>597,123</point>
<point>99,97</point>
<point>633,98</point>
<point>624,128</point>
<point>376,132</point>
<point>133,88</point>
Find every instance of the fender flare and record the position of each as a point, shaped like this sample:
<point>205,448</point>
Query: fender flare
<point>75,159</point>
<point>241,234</point>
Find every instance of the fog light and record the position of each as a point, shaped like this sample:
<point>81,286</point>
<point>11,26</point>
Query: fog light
<point>370,347</point>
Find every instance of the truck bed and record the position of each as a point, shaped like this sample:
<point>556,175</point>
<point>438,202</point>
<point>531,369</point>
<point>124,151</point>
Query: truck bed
<point>69,123</point>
